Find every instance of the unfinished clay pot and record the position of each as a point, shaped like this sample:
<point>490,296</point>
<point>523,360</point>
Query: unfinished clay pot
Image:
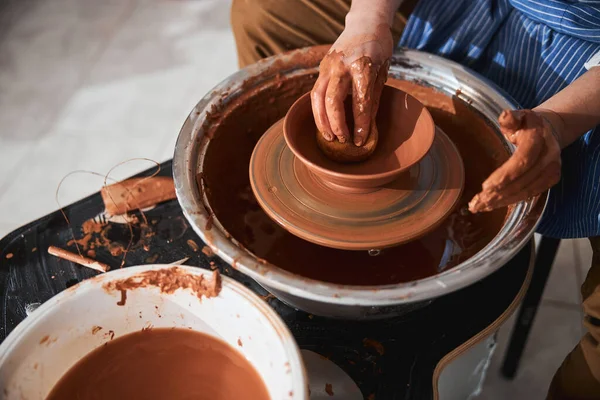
<point>398,212</point>
<point>406,133</point>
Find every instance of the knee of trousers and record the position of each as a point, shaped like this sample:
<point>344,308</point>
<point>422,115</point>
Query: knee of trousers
<point>249,17</point>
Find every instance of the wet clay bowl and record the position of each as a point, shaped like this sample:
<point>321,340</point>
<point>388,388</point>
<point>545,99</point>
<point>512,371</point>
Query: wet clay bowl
<point>399,212</point>
<point>406,132</point>
<point>39,351</point>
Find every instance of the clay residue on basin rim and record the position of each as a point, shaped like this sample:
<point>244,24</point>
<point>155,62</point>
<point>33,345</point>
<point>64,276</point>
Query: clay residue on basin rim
<point>168,280</point>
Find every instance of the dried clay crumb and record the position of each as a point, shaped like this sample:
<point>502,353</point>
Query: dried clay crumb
<point>329,389</point>
<point>95,235</point>
<point>193,245</point>
<point>209,222</point>
<point>267,297</point>
<point>374,344</point>
<point>207,251</point>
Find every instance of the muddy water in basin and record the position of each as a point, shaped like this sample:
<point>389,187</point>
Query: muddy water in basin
<point>227,186</point>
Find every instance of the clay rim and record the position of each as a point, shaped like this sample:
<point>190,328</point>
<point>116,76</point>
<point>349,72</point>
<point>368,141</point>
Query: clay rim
<point>445,76</point>
<point>292,350</point>
<point>328,172</point>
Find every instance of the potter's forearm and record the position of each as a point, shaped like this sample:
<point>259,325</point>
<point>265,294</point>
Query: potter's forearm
<point>576,109</point>
<point>369,11</point>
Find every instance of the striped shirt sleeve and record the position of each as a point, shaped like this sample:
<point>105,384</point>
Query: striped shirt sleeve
<point>576,19</point>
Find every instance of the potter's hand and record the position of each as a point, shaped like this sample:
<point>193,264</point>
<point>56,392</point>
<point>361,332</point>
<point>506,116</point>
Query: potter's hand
<point>533,168</point>
<point>357,62</point>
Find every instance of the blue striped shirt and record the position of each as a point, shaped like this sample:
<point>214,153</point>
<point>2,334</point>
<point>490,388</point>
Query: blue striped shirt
<point>532,49</point>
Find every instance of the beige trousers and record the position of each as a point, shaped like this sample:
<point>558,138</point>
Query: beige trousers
<point>263,28</point>
<point>578,378</point>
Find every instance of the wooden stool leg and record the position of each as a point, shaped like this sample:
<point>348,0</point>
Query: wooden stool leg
<point>543,264</point>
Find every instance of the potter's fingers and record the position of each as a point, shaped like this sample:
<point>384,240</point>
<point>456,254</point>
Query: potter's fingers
<point>377,90</point>
<point>521,190</point>
<point>363,81</point>
<point>530,178</point>
<point>477,204</point>
<point>337,90</point>
<point>317,98</point>
<point>511,119</point>
<point>510,122</point>
<point>544,181</point>
<point>529,148</point>
<point>382,75</point>
<point>549,161</point>
<point>542,176</point>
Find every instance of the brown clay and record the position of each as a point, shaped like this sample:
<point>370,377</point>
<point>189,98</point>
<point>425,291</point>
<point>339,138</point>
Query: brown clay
<point>406,133</point>
<point>169,280</point>
<point>348,152</point>
<point>162,364</point>
<point>136,193</point>
<point>321,213</point>
<point>329,389</point>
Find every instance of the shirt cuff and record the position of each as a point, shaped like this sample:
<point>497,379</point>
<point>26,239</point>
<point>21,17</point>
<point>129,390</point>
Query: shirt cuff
<point>593,62</point>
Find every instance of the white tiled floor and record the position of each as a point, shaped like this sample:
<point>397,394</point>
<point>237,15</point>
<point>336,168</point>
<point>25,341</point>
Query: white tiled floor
<point>85,84</point>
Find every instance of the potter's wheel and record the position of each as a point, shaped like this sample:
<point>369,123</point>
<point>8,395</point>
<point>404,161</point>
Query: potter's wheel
<point>313,210</point>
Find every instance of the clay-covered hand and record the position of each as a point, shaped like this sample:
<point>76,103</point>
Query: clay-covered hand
<point>357,63</point>
<point>533,168</point>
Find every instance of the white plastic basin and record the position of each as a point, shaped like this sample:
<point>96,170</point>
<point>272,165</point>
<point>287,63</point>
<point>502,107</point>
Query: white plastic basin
<point>64,329</point>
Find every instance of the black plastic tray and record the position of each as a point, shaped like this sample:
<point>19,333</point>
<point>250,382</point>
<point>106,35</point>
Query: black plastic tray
<point>414,343</point>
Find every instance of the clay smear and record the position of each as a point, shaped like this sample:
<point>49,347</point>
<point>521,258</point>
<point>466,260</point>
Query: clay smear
<point>168,280</point>
<point>329,389</point>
